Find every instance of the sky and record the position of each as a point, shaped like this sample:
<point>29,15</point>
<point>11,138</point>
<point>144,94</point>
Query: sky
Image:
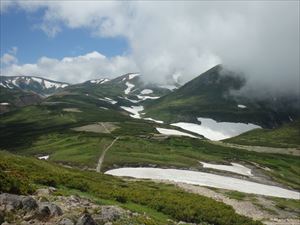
<point>74,41</point>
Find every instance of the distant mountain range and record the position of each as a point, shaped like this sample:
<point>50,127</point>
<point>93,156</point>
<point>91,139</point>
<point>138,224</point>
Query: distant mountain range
<point>208,95</point>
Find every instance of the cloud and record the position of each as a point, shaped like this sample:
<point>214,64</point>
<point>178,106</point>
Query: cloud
<point>260,39</point>
<point>10,57</point>
<point>74,69</point>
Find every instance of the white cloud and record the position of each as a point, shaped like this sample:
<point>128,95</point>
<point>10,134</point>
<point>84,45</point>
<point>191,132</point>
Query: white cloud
<point>10,57</point>
<point>74,69</point>
<point>260,39</point>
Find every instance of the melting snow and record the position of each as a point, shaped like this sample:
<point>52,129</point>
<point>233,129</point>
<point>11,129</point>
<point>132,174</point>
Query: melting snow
<point>205,179</point>
<point>134,110</point>
<point>133,75</point>
<point>146,92</point>
<point>242,106</point>
<point>129,87</point>
<point>4,103</point>
<point>234,167</point>
<point>99,81</point>
<point>45,157</point>
<point>173,132</point>
<point>214,130</point>
<point>106,99</point>
<point>156,121</point>
<point>142,97</point>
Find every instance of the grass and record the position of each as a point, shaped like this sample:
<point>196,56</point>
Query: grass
<point>165,199</point>
<point>286,136</point>
<point>187,152</point>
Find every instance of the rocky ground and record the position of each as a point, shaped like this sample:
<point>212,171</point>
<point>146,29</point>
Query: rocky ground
<point>47,208</point>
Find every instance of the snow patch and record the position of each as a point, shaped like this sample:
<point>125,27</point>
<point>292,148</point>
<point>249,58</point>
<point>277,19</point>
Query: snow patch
<point>146,92</point>
<point>142,97</point>
<point>216,131</point>
<point>4,103</point>
<point>109,100</point>
<point>129,88</point>
<point>173,132</point>
<point>242,106</point>
<point>204,179</point>
<point>134,110</point>
<point>234,167</point>
<point>156,121</point>
<point>45,157</point>
<point>133,75</point>
<point>99,81</point>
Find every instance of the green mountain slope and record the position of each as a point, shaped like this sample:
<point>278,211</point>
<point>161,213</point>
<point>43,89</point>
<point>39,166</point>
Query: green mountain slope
<point>23,175</point>
<point>209,95</point>
<point>287,135</point>
<point>12,99</point>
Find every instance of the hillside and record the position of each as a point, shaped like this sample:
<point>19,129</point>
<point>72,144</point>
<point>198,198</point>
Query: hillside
<point>209,96</point>
<point>13,98</point>
<point>286,136</point>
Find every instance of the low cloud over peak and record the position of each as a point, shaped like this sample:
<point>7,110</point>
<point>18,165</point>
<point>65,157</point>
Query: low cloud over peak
<point>260,39</point>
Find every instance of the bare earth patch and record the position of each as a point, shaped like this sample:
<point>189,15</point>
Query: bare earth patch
<point>72,110</point>
<point>247,207</point>
<point>100,127</point>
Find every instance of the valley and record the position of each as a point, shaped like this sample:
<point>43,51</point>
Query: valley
<point>155,152</point>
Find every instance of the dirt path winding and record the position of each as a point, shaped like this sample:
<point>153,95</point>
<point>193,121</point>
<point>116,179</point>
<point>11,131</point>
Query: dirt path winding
<point>100,161</point>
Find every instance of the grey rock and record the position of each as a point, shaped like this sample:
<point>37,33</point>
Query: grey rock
<point>11,201</point>
<point>54,209</point>
<point>47,209</point>
<point>109,213</point>
<point>86,219</point>
<point>29,203</point>
<point>65,221</point>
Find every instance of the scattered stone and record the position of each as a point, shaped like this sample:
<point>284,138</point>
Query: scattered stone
<point>29,204</point>
<point>54,209</point>
<point>10,201</point>
<point>109,213</point>
<point>86,219</point>
<point>65,221</point>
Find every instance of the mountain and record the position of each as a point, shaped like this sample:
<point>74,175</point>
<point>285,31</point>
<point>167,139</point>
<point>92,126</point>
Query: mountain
<point>210,95</point>
<point>128,89</point>
<point>13,98</point>
<point>41,86</point>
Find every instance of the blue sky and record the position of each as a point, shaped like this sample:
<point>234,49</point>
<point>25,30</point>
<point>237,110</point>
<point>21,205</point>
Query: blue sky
<point>19,29</point>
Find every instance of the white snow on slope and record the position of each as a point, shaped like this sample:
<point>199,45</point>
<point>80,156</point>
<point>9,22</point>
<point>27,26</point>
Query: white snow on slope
<point>4,103</point>
<point>144,97</point>
<point>146,92</point>
<point>133,75</point>
<point>156,121</point>
<point>129,88</point>
<point>134,110</point>
<point>99,81</point>
<point>242,106</point>
<point>173,132</point>
<point>109,100</point>
<point>45,157</point>
<point>234,167</point>
<point>49,84</point>
<point>205,179</point>
<point>39,80</point>
<point>214,130</point>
